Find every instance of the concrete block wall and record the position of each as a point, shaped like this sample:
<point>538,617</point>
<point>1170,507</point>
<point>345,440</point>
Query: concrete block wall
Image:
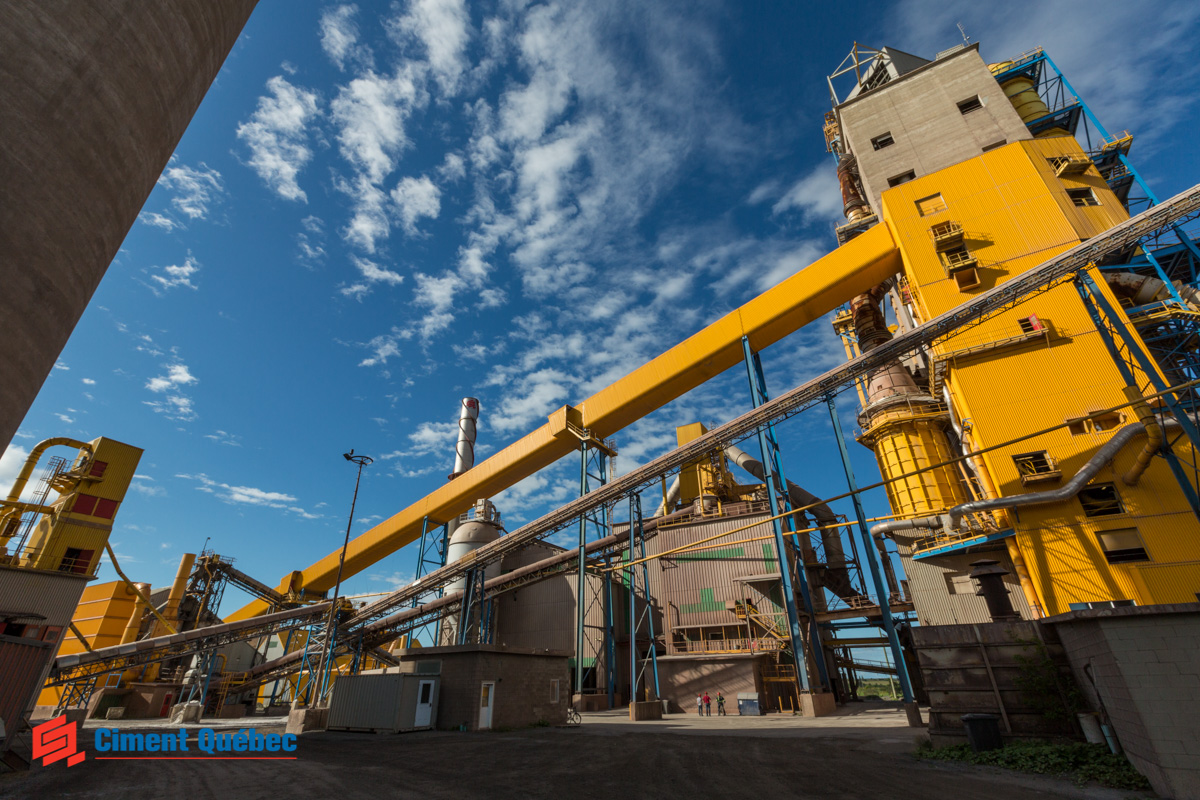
<point>1141,665</point>
<point>920,110</point>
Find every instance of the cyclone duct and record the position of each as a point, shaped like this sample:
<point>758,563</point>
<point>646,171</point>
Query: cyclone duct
<point>905,426</point>
<point>96,95</point>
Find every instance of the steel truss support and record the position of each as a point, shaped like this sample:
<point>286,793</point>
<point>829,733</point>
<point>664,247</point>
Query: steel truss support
<point>872,558</point>
<point>639,590</point>
<point>593,525</point>
<point>1127,354</point>
<point>475,616</point>
<point>773,474</point>
<point>431,556</point>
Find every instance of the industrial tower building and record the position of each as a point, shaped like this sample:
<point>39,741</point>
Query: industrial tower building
<point>982,172</point>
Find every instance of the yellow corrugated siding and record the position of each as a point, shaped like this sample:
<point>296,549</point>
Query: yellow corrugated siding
<point>1015,213</point>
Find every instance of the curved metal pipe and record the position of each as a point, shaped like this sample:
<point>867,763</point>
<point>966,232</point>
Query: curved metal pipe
<point>1069,489</point>
<point>134,588</point>
<point>837,576</point>
<point>1143,289</point>
<point>1154,437</point>
<point>671,498</point>
<point>31,461</point>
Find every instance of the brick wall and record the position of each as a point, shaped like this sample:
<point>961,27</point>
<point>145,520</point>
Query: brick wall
<point>523,693</point>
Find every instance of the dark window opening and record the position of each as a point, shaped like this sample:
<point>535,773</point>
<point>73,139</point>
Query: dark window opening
<point>994,145</point>
<point>882,141</point>
<point>1083,197</point>
<point>76,561</point>
<point>1101,500</point>
<point>1122,546</point>
<point>902,178</point>
<point>97,470</point>
<point>1039,463</point>
<point>967,106</point>
<point>1031,324</point>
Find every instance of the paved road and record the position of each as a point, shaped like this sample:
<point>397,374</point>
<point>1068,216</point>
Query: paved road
<point>853,756</point>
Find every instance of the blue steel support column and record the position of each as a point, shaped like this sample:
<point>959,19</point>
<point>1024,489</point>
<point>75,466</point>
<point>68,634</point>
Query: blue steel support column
<point>1099,309</point>
<point>581,579</point>
<point>795,637</point>
<point>610,661</point>
<point>646,591</point>
<point>873,565</point>
<point>637,549</point>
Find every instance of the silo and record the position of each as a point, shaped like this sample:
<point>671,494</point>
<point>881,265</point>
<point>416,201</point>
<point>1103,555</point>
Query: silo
<point>96,95</point>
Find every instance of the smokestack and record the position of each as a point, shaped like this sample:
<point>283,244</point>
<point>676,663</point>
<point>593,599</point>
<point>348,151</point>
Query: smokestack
<point>464,451</point>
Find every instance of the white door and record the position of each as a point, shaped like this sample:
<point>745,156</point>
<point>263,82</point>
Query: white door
<point>424,704</point>
<point>487,698</point>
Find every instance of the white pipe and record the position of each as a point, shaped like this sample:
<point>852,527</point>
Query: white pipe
<point>464,450</point>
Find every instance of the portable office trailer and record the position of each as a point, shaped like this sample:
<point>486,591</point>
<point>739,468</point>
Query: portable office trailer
<point>384,703</point>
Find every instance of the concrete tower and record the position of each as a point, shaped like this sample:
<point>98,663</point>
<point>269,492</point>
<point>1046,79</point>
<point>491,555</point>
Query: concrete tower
<point>96,95</point>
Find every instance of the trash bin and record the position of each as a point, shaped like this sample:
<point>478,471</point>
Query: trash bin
<point>983,731</point>
<point>748,705</point>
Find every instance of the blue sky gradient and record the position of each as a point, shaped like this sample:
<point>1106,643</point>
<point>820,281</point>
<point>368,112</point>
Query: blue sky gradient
<point>380,208</point>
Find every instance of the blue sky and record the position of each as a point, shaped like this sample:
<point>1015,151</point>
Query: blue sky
<point>380,208</point>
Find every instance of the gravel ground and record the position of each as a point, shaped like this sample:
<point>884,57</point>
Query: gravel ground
<point>865,752</point>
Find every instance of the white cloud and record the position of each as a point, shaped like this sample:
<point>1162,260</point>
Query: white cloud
<point>339,37</point>
<point>248,495</point>
<point>384,347</point>
<point>159,221</point>
<point>10,466</point>
<point>195,188</point>
<point>175,406</point>
<point>143,484</point>
<point>88,381</point>
<point>416,198</point>
<point>442,29</point>
<point>61,365</point>
<point>174,276</point>
<point>277,135</point>
<point>224,437</point>
<point>65,418</point>
<point>816,195</point>
<point>177,375</point>
<point>371,274</point>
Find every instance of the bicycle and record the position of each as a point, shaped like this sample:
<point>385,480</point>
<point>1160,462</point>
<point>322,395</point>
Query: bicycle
<point>573,717</point>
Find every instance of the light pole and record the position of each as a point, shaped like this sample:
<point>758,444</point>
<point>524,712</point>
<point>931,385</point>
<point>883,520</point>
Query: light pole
<point>331,626</point>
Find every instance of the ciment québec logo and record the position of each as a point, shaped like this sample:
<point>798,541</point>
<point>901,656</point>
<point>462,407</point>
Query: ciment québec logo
<point>56,739</point>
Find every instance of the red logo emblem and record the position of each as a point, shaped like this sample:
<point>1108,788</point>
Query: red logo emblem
<point>55,740</point>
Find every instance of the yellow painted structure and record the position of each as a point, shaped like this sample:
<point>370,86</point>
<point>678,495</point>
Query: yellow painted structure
<point>1005,383</point>
<point>906,439</point>
<point>781,310</point>
<point>102,614</point>
<point>72,539</point>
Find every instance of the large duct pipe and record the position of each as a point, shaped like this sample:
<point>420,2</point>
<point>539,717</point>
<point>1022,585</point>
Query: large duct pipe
<point>464,449</point>
<point>1145,289</point>
<point>837,576</point>
<point>1154,436</point>
<point>35,455</point>
<point>670,499</point>
<point>178,587</point>
<point>853,205</point>
<point>1069,489</point>
<point>134,626</point>
<point>96,95</point>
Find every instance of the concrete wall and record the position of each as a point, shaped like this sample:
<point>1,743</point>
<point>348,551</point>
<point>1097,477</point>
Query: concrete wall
<point>920,110</point>
<point>96,95</point>
<point>1141,665</point>
<point>523,694</point>
<point>681,678</point>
